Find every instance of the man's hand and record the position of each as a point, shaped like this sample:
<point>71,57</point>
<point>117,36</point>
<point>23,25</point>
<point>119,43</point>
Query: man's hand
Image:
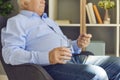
<point>59,55</point>
<point>84,40</point>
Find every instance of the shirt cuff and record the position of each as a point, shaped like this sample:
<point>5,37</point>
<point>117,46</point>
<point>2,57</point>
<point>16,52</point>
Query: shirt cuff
<point>77,50</point>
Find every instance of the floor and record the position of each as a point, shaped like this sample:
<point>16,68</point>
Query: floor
<point>3,77</point>
<point>2,73</point>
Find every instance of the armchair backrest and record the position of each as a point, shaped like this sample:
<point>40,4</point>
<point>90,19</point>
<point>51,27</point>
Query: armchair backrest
<point>3,22</point>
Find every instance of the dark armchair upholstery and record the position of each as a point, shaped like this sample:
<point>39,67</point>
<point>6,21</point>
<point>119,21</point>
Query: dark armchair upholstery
<point>24,71</point>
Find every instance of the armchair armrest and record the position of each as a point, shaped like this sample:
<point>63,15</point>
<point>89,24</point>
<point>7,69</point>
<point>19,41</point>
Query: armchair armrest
<point>27,72</point>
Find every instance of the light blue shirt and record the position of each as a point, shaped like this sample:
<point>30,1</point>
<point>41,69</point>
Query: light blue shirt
<point>28,38</point>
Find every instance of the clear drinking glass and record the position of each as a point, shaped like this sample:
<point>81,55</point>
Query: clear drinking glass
<point>68,45</point>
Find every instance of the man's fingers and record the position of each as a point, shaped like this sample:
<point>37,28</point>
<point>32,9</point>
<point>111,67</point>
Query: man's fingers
<point>65,57</point>
<point>64,49</point>
<point>65,54</point>
<point>86,35</point>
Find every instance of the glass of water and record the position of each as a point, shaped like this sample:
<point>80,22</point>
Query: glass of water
<point>68,45</point>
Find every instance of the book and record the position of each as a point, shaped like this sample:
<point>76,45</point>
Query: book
<point>88,14</point>
<point>97,14</point>
<point>91,12</point>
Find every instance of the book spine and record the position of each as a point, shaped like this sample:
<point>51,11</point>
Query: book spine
<point>97,14</point>
<point>92,14</point>
<point>88,14</point>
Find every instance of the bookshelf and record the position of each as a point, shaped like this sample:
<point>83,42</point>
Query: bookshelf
<point>70,10</point>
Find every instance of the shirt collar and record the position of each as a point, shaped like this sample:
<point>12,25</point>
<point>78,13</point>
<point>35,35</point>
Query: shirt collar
<point>30,14</point>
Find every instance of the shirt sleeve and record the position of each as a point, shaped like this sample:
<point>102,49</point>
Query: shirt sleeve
<point>76,49</point>
<point>13,39</point>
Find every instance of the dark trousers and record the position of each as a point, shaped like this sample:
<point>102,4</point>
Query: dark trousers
<point>86,68</point>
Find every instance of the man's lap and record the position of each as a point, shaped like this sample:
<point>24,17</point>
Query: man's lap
<point>75,72</point>
<point>79,63</point>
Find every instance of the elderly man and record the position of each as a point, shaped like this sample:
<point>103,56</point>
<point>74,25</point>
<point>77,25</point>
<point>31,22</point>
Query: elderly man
<point>32,37</point>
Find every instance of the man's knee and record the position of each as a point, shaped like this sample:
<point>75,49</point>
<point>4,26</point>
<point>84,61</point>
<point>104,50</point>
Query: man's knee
<point>100,73</point>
